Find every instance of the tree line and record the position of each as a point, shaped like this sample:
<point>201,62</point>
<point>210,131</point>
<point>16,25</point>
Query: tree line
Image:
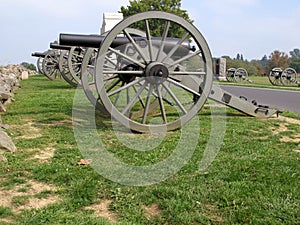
<point>266,64</point>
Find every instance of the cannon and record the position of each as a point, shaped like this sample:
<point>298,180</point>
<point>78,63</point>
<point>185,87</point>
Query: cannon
<point>152,81</point>
<point>67,63</point>
<point>289,77</point>
<point>41,56</point>
<point>286,77</point>
<point>237,75</point>
<point>47,63</point>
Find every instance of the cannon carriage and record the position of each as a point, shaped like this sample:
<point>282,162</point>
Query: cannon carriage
<point>39,63</point>
<point>149,82</point>
<point>48,63</point>
<point>238,75</point>
<point>286,77</point>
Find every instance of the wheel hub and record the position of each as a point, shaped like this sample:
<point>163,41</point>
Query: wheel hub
<point>156,73</point>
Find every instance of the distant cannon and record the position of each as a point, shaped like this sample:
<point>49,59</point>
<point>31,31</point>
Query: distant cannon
<point>48,63</point>
<point>237,75</point>
<point>286,77</point>
<point>41,56</point>
<point>67,63</point>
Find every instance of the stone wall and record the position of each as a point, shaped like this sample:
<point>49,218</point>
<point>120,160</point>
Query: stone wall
<point>10,77</point>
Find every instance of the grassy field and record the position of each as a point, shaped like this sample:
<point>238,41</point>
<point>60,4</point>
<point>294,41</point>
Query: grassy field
<point>254,179</point>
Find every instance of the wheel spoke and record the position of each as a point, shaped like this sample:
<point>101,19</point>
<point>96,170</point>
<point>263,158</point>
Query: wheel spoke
<point>109,60</point>
<point>118,95</point>
<point>174,49</point>
<point>164,37</point>
<point>184,58</point>
<point>130,104</point>
<point>124,87</point>
<point>174,73</point>
<point>146,109</point>
<point>148,35</point>
<point>137,48</point>
<point>113,85</point>
<point>127,57</point>
<point>111,78</point>
<point>140,99</point>
<point>130,72</point>
<point>178,103</point>
<point>183,87</point>
<point>161,104</point>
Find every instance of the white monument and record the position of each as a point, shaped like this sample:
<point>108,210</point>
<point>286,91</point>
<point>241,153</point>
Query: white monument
<point>110,20</point>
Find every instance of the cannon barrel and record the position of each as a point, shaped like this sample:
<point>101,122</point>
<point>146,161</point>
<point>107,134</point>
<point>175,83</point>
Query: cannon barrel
<point>91,41</point>
<point>94,41</point>
<point>55,45</point>
<point>38,54</point>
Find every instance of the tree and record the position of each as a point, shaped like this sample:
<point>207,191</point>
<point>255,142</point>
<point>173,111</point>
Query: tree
<point>264,61</point>
<point>238,57</point>
<point>172,6</point>
<point>295,64</point>
<point>242,57</point>
<point>253,68</point>
<point>29,66</point>
<point>295,53</point>
<point>278,59</point>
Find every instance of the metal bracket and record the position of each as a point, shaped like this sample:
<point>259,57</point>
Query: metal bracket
<point>240,103</point>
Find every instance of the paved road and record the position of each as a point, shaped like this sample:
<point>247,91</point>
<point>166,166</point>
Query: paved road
<point>280,99</point>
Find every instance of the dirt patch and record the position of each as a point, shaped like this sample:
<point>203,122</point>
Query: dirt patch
<point>102,210</point>
<point>282,128</point>
<point>28,130</point>
<point>152,211</point>
<point>211,213</point>
<point>28,191</point>
<point>289,120</point>
<point>37,203</point>
<point>45,154</point>
<point>290,139</point>
<point>6,220</point>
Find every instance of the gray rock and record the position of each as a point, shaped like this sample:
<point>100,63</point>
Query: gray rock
<point>2,107</point>
<point>5,95</point>
<point>3,158</point>
<point>6,143</point>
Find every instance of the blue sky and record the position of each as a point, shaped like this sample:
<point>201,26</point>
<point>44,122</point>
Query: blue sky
<point>250,27</point>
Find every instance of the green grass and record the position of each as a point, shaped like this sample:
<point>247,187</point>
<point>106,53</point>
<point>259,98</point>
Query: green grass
<point>253,180</point>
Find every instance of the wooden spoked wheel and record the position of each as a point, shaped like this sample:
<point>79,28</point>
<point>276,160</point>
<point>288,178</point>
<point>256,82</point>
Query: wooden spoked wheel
<point>230,75</point>
<point>50,65</point>
<point>241,75</point>
<point>289,77</point>
<point>64,68</point>
<point>275,76</point>
<point>174,71</point>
